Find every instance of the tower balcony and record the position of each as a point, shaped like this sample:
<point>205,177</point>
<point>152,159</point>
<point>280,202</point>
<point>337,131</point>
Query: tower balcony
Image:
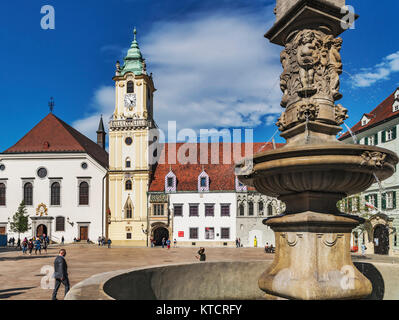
<point>130,124</point>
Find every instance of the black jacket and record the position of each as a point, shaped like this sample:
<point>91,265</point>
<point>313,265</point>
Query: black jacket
<point>60,268</point>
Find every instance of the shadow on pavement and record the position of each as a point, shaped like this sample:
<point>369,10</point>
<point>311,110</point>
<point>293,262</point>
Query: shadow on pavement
<point>375,277</point>
<point>26,257</point>
<point>7,293</point>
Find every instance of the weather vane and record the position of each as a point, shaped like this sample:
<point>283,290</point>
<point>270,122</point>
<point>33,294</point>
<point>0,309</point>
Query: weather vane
<point>51,104</point>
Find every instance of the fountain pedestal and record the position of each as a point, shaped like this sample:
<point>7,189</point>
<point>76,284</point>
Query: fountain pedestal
<point>313,171</point>
<point>313,259</point>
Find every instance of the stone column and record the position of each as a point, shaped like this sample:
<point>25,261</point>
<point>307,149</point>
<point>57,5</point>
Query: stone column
<point>313,171</point>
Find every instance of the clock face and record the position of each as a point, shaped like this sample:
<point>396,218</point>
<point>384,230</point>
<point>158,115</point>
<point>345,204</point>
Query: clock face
<point>130,100</point>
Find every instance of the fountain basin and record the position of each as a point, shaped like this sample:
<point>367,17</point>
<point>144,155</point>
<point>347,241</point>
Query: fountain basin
<point>327,168</point>
<point>210,280</point>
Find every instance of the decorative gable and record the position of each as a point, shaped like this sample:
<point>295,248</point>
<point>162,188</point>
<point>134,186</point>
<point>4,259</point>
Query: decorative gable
<point>240,187</point>
<point>203,182</point>
<point>170,182</point>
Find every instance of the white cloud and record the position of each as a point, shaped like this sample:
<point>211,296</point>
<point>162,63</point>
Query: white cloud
<point>210,71</point>
<point>382,71</point>
<point>103,102</point>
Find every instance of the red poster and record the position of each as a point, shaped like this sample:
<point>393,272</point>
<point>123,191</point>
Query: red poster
<point>181,234</point>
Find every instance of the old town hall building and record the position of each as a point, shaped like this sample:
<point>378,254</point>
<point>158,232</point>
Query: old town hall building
<point>73,188</point>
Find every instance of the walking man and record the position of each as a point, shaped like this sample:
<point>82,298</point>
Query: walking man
<point>109,243</point>
<point>60,273</point>
<point>62,240</point>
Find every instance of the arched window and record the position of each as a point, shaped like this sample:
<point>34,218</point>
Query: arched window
<point>128,185</point>
<point>2,194</point>
<point>28,194</point>
<point>250,208</point>
<point>84,194</point>
<point>130,87</point>
<point>260,208</point>
<point>55,194</point>
<point>270,210</point>
<point>60,224</point>
<point>128,163</point>
<point>129,212</point>
<point>242,209</point>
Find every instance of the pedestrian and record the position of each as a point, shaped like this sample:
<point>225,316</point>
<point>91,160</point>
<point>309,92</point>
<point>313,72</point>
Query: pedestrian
<point>30,246</point>
<point>363,247</point>
<point>201,254</point>
<point>19,243</point>
<point>152,242</point>
<point>237,243</point>
<point>255,242</point>
<point>60,273</point>
<point>103,241</point>
<point>38,246</point>
<point>45,246</point>
<point>99,240</point>
<point>109,243</point>
<point>267,247</point>
<point>163,242</point>
<point>24,246</point>
<point>175,243</point>
<point>168,244</point>
<point>62,240</point>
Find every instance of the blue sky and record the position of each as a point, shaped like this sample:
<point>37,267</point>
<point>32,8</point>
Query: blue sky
<point>211,65</point>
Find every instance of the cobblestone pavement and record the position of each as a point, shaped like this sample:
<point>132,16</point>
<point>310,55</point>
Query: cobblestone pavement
<point>21,275</point>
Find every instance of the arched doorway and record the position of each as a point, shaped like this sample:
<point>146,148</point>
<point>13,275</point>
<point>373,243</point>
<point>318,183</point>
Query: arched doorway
<point>159,234</point>
<point>40,230</point>
<point>381,239</point>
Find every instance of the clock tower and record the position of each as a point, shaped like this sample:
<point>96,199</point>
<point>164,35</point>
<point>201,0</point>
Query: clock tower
<point>129,167</point>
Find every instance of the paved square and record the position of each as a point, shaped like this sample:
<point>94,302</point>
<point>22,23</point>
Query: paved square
<point>20,275</point>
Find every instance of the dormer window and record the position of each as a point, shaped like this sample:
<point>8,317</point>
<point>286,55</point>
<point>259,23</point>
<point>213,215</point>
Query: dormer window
<point>395,106</point>
<point>170,182</point>
<point>240,187</point>
<point>203,182</point>
<point>130,87</point>
<point>365,120</point>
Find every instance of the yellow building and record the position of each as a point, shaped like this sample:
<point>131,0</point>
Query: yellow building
<point>129,167</point>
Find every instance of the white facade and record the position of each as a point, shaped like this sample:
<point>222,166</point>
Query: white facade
<point>67,170</point>
<point>182,224</point>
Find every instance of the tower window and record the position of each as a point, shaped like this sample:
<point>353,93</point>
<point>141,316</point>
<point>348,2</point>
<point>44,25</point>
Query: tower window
<point>250,208</point>
<point>130,87</point>
<point>128,163</point>
<point>128,185</point>
<point>2,194</point>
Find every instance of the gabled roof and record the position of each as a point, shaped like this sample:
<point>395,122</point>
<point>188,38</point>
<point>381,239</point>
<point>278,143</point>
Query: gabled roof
<point>221,176</point>
<point>52,135</point>
<point>382,113</point>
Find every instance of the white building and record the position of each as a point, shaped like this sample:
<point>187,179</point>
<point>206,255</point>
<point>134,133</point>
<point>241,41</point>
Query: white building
<point>197,204</point>
<point>61,176</point>
<point>378,128</point>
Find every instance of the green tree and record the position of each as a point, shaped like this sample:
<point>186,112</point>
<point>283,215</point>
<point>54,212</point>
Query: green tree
<point>20,221</point>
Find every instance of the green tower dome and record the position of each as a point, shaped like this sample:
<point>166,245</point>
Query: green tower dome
<point>134,61</point>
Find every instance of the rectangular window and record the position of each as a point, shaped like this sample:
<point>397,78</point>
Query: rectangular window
<point>129,213</point>
<point>2,194</point>
<point>203,182</point>
<point>193,233</point>
<point>178,210</point>
<point>209,210</point>
<point>225,233</point>
<point>60,224</point>
<point>390,200</point>
<point>158,209</point>
<point>225,210</point>
<point>170,182</point>
<point>194,210</point>
<point>209,233</point>
<point>128,236</point>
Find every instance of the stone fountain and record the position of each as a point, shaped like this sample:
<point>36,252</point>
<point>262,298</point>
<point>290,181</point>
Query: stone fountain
<point>314,170</point>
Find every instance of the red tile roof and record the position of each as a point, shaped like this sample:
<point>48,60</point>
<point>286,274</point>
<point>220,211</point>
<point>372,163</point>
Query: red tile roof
<point>221,176</point>
<point>382,113</point>
<point>52,135</point>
